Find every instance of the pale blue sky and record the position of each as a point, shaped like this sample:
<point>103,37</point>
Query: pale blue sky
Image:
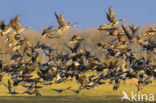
<point>88,13</point>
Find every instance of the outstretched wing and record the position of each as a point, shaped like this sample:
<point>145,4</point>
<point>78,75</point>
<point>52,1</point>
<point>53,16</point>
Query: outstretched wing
<point>112,14</point>
<point>17,20</point>
<point>45,30</point>
<point>127,33</point>
<point>13,24</point>
<point>61,21</point>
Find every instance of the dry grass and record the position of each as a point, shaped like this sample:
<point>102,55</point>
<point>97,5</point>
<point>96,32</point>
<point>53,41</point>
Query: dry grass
<point>101,90</point>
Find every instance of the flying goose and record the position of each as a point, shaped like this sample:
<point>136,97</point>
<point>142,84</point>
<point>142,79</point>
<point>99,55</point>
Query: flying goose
<point>49,32</point>
<point>16,25</point>
<point>63,25</point>
<point>133,28</point>
<point>5,29</point>
<point>104,26</point>
<point>151,31</point>
<point>76,39</point>
<point>112,18</point>
<point>59,91</point>
<point>108,28</point>
<point>128,35</point>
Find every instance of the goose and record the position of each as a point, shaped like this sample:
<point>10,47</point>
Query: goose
<point>59,91</point>
<point>151,31</point>
<point>131,36</point>
<point>76,91</point>
<point>63,25</point>
<point>16,25</point>
<point>5,29</point>
<point>16,44</point>
<point>103,46</point>
<point>128,35</point>
<point>103,26</point>
<point>83,81</point>
<point>121,38</point>
<point>108,28</point>
<point>76,39</point>
<point>133,28</point>
<point>75,48</point>
<point>49,32</point>
<point>112,18</point>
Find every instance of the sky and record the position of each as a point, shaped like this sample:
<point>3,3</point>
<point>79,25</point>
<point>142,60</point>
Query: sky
<point>39,14</point>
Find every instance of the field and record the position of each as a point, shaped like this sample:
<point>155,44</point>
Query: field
<point>100,94</point>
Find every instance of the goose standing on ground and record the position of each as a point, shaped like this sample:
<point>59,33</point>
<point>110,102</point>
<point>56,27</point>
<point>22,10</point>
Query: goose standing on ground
<point>63,25</point>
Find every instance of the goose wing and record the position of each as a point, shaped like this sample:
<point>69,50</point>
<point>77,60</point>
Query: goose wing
<point>112,15</point>
<point>14,25</point>
<point>17,20</point>
<point>127,33</point>
<point>61,20</point>
<point>45,30</point>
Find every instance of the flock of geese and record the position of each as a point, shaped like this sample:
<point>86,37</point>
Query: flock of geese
<point>122,60</point>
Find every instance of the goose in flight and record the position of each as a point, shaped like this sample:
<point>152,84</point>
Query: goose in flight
<point>133,28</point>
<point>63,25</point>
<point>49,32</point>
<point>103,26</point>
<point>59,91</point>
<point>112,18</point>
<point>151,31</point>
<point>16,25</point>
<point>76,39</point>
<point>5,29</point>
